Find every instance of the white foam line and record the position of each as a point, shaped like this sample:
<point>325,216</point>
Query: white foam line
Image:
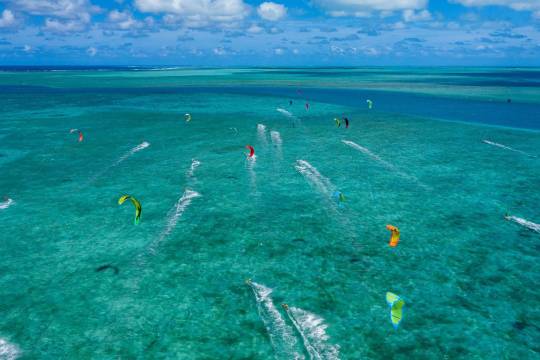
<point>250,165</point>
<point>506,147</point>
<point>8,351</point>
<point>276,138</point>
<point>137,148</point>
<point>312,329</point>
<point>314,177</point>
<point>194,165</point>
<point>261,133</point>
<point>4,205</point>
<point>174,215</point>
<point>383,162</point>
<point>286,113</point>
<point>134,150</point>
<point>281,335</point>
<point>525,223</point>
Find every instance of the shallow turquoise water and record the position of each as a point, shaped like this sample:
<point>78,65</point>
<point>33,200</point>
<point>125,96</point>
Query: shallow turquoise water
<point>469,278</point>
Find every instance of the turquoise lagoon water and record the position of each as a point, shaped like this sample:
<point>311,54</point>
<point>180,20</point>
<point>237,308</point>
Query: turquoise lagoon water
<point>212,219</point>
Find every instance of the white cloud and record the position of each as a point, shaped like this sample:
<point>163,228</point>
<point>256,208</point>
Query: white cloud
<point>219,51</point>
<point>62,16</point>
<point>411,15</point>
<point>7,19</point>
<point>519,5</point>
<point>123,20</point>
<point>91,51</point>
<point>196,13</point>
<point>271,11</point>
<point>362,8</point>
<point>279,51</point>
<point>69,9</point>
<point>27,48</point>
<point>255,29</point>
<point>60,26</point>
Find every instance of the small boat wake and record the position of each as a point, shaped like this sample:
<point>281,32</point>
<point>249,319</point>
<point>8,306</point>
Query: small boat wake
<point>8,351</point>
<point>281,335</point>
<point>525,223</point>
<point>173,216</point>
<point>386,164</point>
<point>194,165</point>
<point>312,329</point>
<point>506,147</point>
<point>314,177</point>
<point>7,203</point>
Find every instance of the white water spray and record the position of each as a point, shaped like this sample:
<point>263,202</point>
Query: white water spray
<point>386,164</point>
<point>194,165</point>
<point>312,329</point>
<point>8,351</point>
<point>506,147</point>
<point>124,157</point>
<point>261,134</point>
<point>173,216</point>
<point>525,223</point>
<point>314,177</point>
<point>5,204</point>
<point>281,335</point>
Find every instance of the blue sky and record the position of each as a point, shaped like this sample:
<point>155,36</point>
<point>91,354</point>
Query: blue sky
<point>267,33</point>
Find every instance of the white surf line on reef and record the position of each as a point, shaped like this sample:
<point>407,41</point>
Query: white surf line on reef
<point>314,177</point>
<point>506,147</point>
<point>173,216</point>
<point>8,351</point>
<point>281,335</point>
<point>261,134</point>
<point>312,329</point>
<point>194,165</point>
<point>5,204</point>
<point>525,223</point>
<point>124,157</point>
<point>382,162</point>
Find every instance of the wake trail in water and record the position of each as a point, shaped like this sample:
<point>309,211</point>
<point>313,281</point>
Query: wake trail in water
<point>194,165</point>
<point>5,204</point>
<point>173,216</point>
<point>250,166</point>
<point>314,177</point>
<point>261,134</point>
<point>281,335</point>
<point>525,223</point>
<point>8,351</point>
<point>386,164</point>
<point>276,140</point>
<point>506,147</point>
<point>124,157</point>
<point>286,113</point>
<point>312,329</point>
